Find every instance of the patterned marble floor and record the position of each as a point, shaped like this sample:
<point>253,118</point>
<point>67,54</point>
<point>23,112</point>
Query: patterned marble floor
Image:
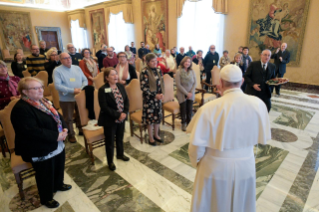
<point>161,178</point>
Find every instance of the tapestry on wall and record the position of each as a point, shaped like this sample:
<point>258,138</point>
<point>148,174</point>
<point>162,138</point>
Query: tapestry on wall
<point>98,28</point>
<point>16,30</point>
<point>14,1</point>
<point>155,23</point>
<point>273,22</point>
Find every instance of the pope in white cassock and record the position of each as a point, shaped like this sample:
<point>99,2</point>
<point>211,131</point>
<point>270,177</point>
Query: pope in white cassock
<point>223,134</point>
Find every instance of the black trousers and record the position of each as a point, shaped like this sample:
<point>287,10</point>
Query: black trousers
<point>186,109</point>
<point>208,77</point>
<point>243,86</point>
<point>116,132</point>
<point>49,175</point>
<point>267,102</point>
<point>277,88</point>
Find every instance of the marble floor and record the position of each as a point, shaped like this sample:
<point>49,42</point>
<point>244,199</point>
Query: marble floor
<point>161,178</point>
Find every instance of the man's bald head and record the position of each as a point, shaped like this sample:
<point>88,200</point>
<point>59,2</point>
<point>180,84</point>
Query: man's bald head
<point>66,59</point>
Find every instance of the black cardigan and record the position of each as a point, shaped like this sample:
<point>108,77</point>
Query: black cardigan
<point>49,67</point>
<point>131,70</point>
<point>16,70</point>
<point>36,132</point>
<point>109,112</point>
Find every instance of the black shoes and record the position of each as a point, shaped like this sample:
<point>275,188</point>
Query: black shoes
<point>65,187</point>
<point>112,167</point>
<point>158,140</point>
<point>124,158</point>
<point>152,143</point>
<point>52,204</point>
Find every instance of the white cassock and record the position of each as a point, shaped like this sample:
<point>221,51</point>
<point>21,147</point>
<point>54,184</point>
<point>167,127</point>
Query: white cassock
<point>223,135</point>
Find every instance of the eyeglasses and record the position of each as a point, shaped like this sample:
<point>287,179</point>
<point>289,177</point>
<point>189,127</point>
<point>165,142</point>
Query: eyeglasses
<point>66,58</point>
<point>122,56</point>
<point>53,55</point>
<point>36,88</point>
<point>212,48</point>
<point>34,49</point>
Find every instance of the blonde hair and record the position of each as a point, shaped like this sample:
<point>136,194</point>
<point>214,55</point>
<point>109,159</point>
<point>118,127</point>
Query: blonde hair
<point>50,51</point>
<point>241,61</point>
<point>23,83</point>
<point>3,63</point>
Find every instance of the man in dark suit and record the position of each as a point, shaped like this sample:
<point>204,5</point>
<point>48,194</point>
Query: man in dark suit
<point>142,51</point>
<point>180,56</point>
<point>256,76</point>
<point>281,57</point>
<point>132,48</point>
<point>211,59</point>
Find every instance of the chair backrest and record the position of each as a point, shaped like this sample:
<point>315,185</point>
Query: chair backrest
<point>26,73</point>
<point>5,118</point>
<point>6,54</point>
<point>138,64</point>
<point>43,75</point>
<point>83,111</point>
<point>55,96</point>
<point>134,94</point>
<point>99,80</point>
<point>169,88</point>
<point>215,75</point>
<point>97,108</point>
<point>196,69</point>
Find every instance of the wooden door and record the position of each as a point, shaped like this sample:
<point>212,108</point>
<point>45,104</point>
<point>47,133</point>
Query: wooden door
<point>51,39</point>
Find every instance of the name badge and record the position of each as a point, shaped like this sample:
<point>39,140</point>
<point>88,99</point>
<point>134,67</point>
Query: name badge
<point>213,61</point>
<point>72,79</point>
<point>45,53</point>
<point>107,90</point>
<point>79,60</point>
<point>25,66</point>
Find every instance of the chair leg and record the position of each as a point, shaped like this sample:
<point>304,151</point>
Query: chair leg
<point>131,127</point>
<point>91,154</point>
<point>3,146</point>
<point>173,121</point>
<point>141,134</point>
<point>86,145</point>
<point>163,118</point>
<point>20,185</point>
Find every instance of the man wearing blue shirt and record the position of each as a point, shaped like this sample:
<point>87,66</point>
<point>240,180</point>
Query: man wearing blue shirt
<point>69,80</point>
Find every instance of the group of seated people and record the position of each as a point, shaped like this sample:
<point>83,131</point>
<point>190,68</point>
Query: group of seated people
<point>40,130</point>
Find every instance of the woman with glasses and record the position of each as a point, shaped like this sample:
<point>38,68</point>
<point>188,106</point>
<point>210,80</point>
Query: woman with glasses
<point>8,86</point>
<point>124,69</point>
<point>89,66</point>
<point>39,135</point>
<point>53,61</point>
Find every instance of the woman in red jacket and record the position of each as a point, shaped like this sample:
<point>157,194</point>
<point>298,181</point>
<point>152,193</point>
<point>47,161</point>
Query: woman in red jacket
<point>88,66</point>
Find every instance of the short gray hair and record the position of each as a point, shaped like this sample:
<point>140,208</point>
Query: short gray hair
<point>23,83</point>
<point>42,41</point>
<point>3,63</point>
<point>67,46</point>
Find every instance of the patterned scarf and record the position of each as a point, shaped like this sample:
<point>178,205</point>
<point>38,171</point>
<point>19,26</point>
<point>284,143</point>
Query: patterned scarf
<point>47,108</point>
<point>13,86</point>
<point>119,101</point>
<point>125,71</point>
<point>91,65</point>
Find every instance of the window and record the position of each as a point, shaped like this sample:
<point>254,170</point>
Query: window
<point>79,35</point>
<point>200,27</point>
<point>120,33</point>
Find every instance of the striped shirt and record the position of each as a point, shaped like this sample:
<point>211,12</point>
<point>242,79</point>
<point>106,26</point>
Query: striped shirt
<point>35,64</point>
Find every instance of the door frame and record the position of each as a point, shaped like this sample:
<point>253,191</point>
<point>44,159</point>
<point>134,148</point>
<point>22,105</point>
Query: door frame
<point>52,29</point>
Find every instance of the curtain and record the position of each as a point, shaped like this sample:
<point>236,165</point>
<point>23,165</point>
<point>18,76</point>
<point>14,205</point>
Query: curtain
<point>120,33</point>
<point>79,35</point>
<point>199,27</point>
<point>220,6</point>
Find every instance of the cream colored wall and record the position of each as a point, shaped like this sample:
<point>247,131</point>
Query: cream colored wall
<point>45,19</point>
<point>236,27</point>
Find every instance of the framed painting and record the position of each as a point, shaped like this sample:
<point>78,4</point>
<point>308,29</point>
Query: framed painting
<point>16,31</point>
<point>98,26</point>
<point>155,23</point>
<point>14,1</point>
<point>273,22</point>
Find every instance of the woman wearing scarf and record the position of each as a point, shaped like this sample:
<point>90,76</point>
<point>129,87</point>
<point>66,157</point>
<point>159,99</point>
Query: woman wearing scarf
<point>130,55</point>
<point>8,86</point>
<point>88,66</point>
<point>125,70</point>
<point>39,135</point>
<point>157,50</point>
<point>152,86</point>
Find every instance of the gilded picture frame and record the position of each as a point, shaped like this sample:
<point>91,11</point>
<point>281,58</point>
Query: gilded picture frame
<point>16,31</point>
<point>98,28</point>
<point>155,23</point>
<point>273,22</point>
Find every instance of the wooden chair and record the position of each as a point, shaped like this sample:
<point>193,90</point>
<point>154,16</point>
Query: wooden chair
<point>134,94</point>
<point>55,97</point>
<point>214,80</point>
<point>43,75</point>
<point>138,64</point>
<point>21,170</point>
<point>6,55</point>
<point>93,138</point>
<point>202,96</point>
<point>99,80</point>
<point>26,73</point>
<point>97,108</point>
<point>168,103</point>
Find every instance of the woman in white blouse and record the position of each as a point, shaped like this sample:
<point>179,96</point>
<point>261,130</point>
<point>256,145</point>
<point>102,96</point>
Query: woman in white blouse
<point>125,71</point>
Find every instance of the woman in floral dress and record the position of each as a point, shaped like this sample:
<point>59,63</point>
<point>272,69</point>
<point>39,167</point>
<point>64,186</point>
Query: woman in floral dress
<point>152,85</point>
